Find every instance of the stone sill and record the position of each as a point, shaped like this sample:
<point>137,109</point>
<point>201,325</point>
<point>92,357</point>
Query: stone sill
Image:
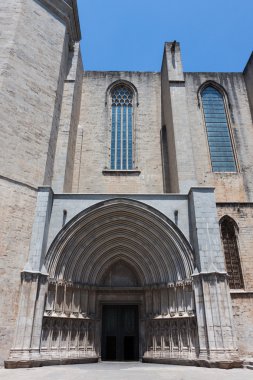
<point>226,173</point>
<point>133,172</point>
<point>41,362</point>
<point>241,292</point>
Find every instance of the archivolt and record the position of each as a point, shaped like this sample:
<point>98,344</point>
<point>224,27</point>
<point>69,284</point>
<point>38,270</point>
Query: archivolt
<point>125,230</point>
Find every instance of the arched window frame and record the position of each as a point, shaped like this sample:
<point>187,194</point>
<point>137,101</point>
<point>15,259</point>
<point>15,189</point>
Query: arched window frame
<point>108,105</point>
<point>228,219</point>
<point>227,107</point>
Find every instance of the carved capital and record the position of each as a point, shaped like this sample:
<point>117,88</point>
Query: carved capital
<point>33,277</point>
<point>52,281</point>
<point>69,284</point>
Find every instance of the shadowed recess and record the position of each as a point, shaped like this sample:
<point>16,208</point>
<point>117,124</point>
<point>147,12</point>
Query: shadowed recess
<point>120,235</point>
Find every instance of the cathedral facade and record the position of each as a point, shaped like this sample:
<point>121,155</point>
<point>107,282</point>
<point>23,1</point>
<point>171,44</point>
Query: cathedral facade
<point>126,203</point>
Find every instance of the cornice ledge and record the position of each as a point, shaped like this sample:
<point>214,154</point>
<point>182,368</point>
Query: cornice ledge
<point>66,10</point>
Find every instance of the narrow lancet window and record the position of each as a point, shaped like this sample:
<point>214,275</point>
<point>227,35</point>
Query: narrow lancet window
<point>219,139</point>
<point>232,259</point>
<point>122,128</point>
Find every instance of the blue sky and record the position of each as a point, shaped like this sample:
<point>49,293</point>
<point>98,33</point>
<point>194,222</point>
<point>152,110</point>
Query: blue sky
<point>215,35</point>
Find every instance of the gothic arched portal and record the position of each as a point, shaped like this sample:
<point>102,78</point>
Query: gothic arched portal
<point>122,255</point>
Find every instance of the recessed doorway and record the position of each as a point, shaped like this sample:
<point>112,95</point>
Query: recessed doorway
<point>120,333</point>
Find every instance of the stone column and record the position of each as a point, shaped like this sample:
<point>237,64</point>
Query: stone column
<point>182,174</point>
<point>33,283</point>
<point>213,304</point>
<point>65,149</point>
<point>42,286</point>
<point>29,321</point>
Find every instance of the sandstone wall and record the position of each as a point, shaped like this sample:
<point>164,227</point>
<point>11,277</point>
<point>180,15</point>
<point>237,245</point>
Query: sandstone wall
<point>175,118</point>
<point>93,141</point>
<point>33,62</point>
<point>242,300</point>
<point>237,187</point>
<point>242,305</point>
<point>17,203</point>
<point>248,75</point>
<point>70,110</point>
<point>167,122</point>
<point>31,90</point>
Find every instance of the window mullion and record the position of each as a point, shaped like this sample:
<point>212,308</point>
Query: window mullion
<point>121,129</point>
<point>127,142</point>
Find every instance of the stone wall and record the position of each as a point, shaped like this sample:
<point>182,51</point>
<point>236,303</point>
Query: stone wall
<point>33,63</point>
<point>70,110</point>
<point>17,204</point>
<point>238,186</point>
<point>67,206</point>
<point>31,88</point>
<point>242,300</point>
<point>93,141</point>
<point>242,305</point>
<point>248,75</point>
<point>175,118</point>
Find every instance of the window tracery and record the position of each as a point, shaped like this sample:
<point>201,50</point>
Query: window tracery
<point>122,128</point>
<point>231,252</point>
<point>218,134</point>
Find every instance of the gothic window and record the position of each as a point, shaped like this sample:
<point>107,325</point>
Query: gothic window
<point>122,128</point>
<point>218,134</point>
<point>231,252</point>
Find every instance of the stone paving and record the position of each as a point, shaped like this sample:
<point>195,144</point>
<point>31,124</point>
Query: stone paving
<point>125,371</point>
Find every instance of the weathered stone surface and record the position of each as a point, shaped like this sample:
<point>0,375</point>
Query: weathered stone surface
<point>33,65</point>
<point>94,139</point>
<point>11,364</point>
<point>117,237</point>
<point>17,211</point>
<point>229,187</point>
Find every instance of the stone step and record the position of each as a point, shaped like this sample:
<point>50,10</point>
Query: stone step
<point>248,363</point>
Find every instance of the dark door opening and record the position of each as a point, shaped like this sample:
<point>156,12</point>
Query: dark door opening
<point>120,335</point>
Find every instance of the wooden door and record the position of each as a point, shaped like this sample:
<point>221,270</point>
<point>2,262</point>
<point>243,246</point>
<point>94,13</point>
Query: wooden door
<point>120,336</point>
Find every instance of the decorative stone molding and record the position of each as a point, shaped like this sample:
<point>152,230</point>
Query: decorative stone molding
<point>34,277</point>
<point>172,338</point>
<point>169,252</point>
<point>66,11</point>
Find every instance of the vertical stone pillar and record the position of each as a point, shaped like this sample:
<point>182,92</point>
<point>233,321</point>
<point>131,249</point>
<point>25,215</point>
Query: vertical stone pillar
<point>164,301</point>
<point>248,76</point>
<point>65,149</point>
<point>38,313</point>
<point>38,244</point>
<point>213,304</point>
<point>84,301</point>
<point>92,302</point>
<point>182,173</point>
<point>148,301</point>
<point>33,282</point>
<point>29,321</point>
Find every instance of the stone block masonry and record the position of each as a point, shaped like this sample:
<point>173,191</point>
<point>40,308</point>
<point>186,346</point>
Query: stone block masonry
<point>242,299</point>
<point>94,135</point>
<point>35,40</point>
<point>17,205</point>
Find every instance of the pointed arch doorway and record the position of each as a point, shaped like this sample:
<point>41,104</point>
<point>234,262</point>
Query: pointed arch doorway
<point>120,322</point>
<point>120,286</point>
<point>120,333</point>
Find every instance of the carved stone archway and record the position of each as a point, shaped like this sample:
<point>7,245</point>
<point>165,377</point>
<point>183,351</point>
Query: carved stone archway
<point>120,252</point>
<point>126,254</point>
